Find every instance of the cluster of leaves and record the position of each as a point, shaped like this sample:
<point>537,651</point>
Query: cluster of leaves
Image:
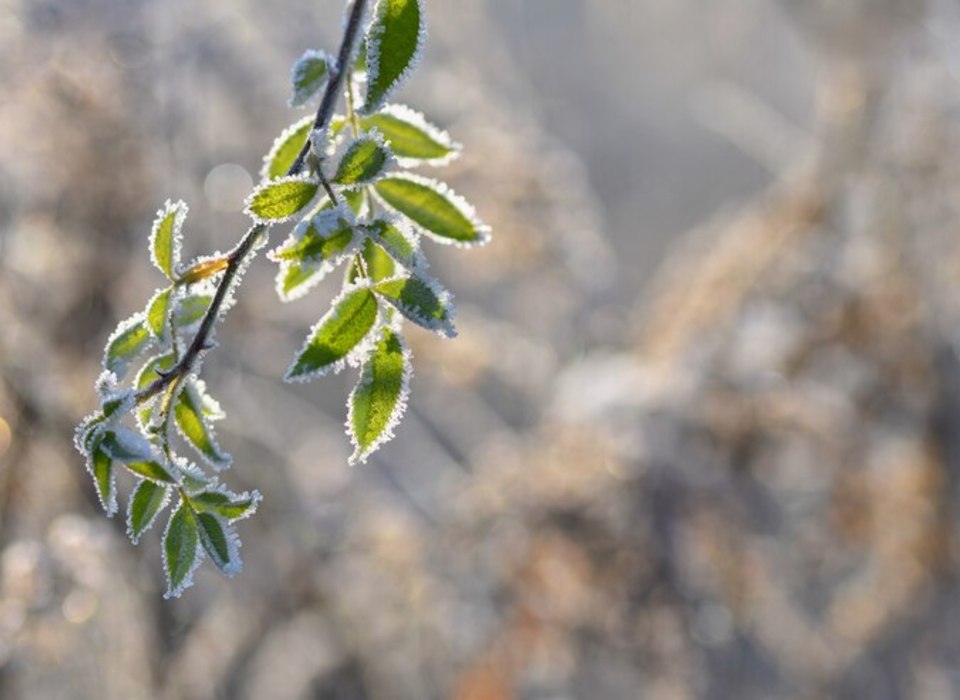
<point>346,182</point>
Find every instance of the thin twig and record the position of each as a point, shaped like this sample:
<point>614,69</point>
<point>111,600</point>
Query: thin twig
<point>247,244</point>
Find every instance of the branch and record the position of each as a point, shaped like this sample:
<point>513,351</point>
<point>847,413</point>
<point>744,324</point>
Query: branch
<point>246,245</point>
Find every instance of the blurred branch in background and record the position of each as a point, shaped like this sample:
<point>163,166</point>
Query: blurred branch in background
<point>752,493</point>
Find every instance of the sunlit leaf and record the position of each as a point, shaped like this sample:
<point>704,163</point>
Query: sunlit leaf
<point>379,399</point>
<point>316,246</point>
<point>422,300</point>
<point>151,470</point>
<point>394,44</point>
<point>131,338</point>
<point>309,76</point>
<point>399,240</point>
<point>328,236</point>
<point>338,334</point>
<point>285,150</point>
<point>379,265</point>
<point>282,199</point>
<point>364,159</point>
<point>434,207</point>
<point>165,238</point>
<point>411,137</point>
<point>158,310</point>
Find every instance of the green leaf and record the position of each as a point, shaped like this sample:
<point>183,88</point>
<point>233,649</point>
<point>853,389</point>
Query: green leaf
<point>285,150</point>
<point>131,338</point>
<point>165,238</point>
<point>316,246</point>
<point>337,335</point>
<point>412,138</point>
<point>329,236</point>
<point>228,505</point>
<point>356,199</point>
<point>151,470</point>
<point>282,199</point>
<point>146,502</point>
<point>296,279</point>
<point>219,542</point>
<point>394,43</point>
<point>157,311</point>
<point>209,406</point>
<point>191,309</point>
<point>100,465</point>
<point>423,301</point>
<point>434,207</point>
<point>309,76</point>
<point>379,399</point>
<point>379,264</point>
<point>181,550</point>
<point>364,160</point>
<point>398,239</point>
<point>196,429</point>
<point>88,430</point>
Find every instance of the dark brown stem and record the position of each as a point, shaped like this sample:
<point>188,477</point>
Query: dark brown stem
<point>247,244</point>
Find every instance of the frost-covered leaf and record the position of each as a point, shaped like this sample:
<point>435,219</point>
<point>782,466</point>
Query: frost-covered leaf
<point>228,505</point>
<point>181,550</point>
<point>329,236</point>
<point>379,265</point>
<point>146,502</point>
<point>100,465</point>
<point>422,300</point>
<point>192,477</point>
<point>191,309</point>
<point>364,159</point>
<point>397,237</point>
<point>394,43</point>
<point>282,199</point>
<point>209,406</point>
<point>296,279</point>
<point>151,470</point>
<point>88,430</point>
<point>196,428</point>
<point>131,338</point>
<point>285,150</point>
<point>165,238</point>
<point>412,138</point>
<point>337,336</point>
<point>357,200</point>
<point>309,76</point>
<point>157,311</point>
<point>379,399</point>
<point>316,246</point>
<point>434,207</point>
<point>220,542</point>
<point>126,446</point>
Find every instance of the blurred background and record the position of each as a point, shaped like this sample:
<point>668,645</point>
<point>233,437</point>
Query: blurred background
<point>699,436</point>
